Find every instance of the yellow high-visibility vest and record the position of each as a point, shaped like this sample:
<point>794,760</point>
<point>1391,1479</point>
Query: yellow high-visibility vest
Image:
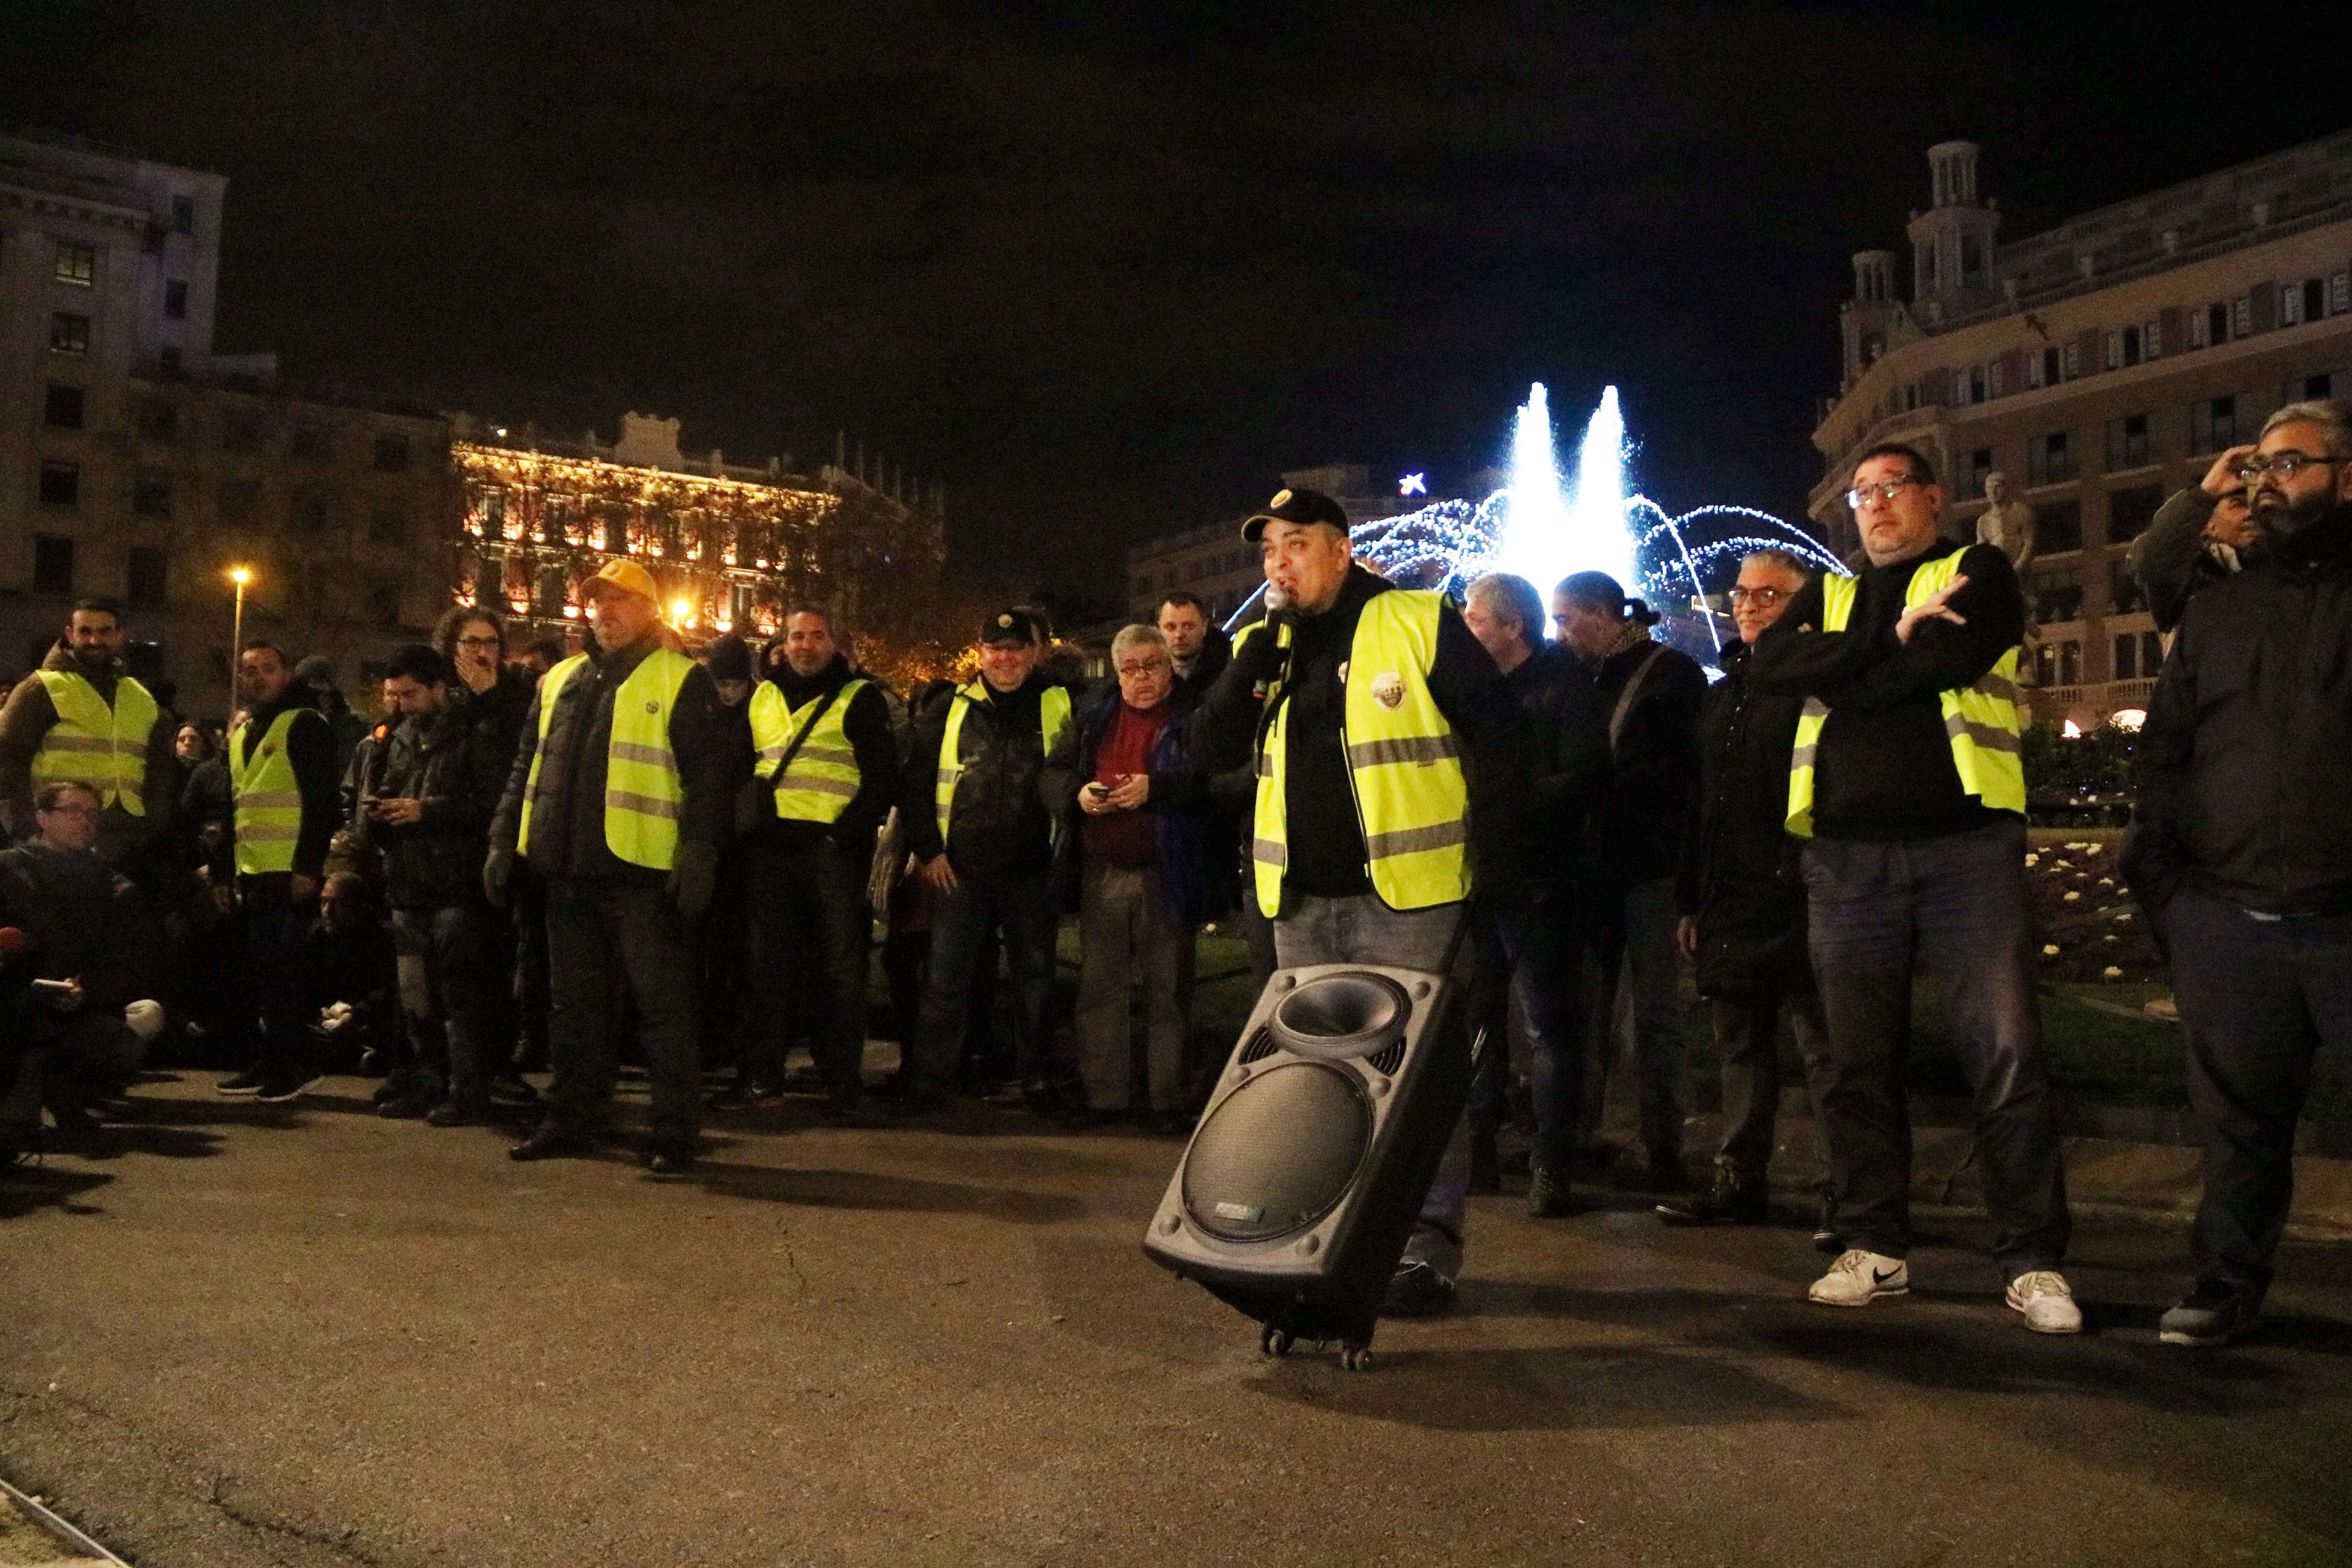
<point>269,797</point>
<point>643,800</point>
<point>1982,720</point>
<point>1052,717</point>
<point>104,747</point>
<point>823,777</point>
<point>1404,761</point>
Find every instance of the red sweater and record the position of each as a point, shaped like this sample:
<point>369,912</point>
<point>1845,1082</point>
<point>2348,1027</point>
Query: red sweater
<point>1126,837</point>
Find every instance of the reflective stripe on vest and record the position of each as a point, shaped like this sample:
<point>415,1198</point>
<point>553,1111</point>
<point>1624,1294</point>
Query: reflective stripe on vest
<point>1052,717</point>
<point>104,747</point>
<point>269,799</point>
<point>1982,720</point>
<point>1404,762</point>
<point>822,778</point>
<point>643,800</point>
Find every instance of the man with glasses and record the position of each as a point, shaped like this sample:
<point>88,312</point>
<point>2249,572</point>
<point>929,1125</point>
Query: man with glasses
<point>1741,899</point>
<point>1907,778</point>
<point>1120,779</point>
<point>2244,845</point>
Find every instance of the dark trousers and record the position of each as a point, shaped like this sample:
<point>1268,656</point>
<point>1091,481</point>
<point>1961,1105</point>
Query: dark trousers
<point>532,1001</point>
<point>66,1060</point>
<point>599,934</point>
<point>450,979</point>
<point>1960,903</point>
<point>963,919</point>
<point>1747,1031</point>
<point>1524,973</point>
<point>272,928</point>
<point>1630,937</point>
<point>810,932</point>
<point>2260,998</point>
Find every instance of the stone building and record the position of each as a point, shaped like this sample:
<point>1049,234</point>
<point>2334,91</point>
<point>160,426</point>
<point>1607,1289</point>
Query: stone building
<point>2098,367</point>
<point>1212,561</point>
<point>138,464</point>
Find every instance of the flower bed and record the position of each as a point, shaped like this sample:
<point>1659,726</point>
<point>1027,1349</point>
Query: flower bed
<point>2089,928</point>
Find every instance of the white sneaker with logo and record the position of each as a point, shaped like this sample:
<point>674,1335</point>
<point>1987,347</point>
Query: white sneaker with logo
<point>1859,1278</point>
<point>2047,1302</point>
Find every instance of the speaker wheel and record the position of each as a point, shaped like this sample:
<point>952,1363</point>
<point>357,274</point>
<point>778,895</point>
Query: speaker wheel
<point>1357,1358</point>
<point>1275,1342</point>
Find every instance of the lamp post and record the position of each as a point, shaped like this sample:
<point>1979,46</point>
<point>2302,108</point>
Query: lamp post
<point>240,576</point>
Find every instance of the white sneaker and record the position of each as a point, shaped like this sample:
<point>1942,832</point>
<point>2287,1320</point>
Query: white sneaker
<point>2046,1301</point>
<point>1859,1278</point>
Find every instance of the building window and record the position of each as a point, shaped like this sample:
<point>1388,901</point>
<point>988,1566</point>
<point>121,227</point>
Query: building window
<point>1972,473</point>
<point>2213,424</point>
<point>311,443</point>
<point>2058,526</point>
<point>2130,512</point>
<point>392,454</point>
<point>149,576</point>
<point>176,299</point>
<point>68,333</point>
<point>2127,443</point>
<point>168,356</point>
<point>2050,460</point>
<point>159,419</point>
<point>240,504</point>
<point>241,431</point>
<point>1975,384</point>
<point>2115,351</point>
<point>2299,389</point>
<point>150,493</point>
<point>2126,666</point>
<point>62,408</point>
<point>2340,293</point>
<point>312,514</point>
<point>76,264</point>
<point>2242,316</point>
<point>53,565</point>
<point>383,607</point>
<point>184,214</point>
<point>60,483</point>
<point>387,525</point>
<point>2057,597</point>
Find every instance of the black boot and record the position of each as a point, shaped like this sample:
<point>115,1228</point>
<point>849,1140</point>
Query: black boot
<point>1734,1199</point>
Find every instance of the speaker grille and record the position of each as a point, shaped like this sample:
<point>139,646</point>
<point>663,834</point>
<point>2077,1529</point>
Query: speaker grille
<point>1278,1153</point>
<point>1261,1046</point>
<point>1386,1062</point>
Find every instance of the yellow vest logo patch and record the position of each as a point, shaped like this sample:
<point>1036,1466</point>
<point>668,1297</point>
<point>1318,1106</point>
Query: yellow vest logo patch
<point>1387,689</point>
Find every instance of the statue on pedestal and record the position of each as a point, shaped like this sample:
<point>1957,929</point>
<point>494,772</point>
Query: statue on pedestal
<point>2007,525</point>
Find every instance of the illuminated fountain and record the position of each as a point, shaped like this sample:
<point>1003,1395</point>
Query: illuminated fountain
<point>1537,528</point>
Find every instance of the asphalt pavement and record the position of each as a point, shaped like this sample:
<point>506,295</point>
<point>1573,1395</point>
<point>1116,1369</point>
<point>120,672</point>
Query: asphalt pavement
<point>241,1334</point>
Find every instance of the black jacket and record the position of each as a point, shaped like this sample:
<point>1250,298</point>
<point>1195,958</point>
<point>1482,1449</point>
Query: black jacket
<point>1326,839</point>
<point>999,826</point>
<point>2172,558</point>
<point>2245,762</point>
<point>1564,779</point>
<point>867,725</point>
<point>456,765</point>
<point>1647,776</point>
<point>84,922</point>
<point>1741,873</point>
<point>1885,769</point>
<point>567,836</point>
<point>1216,652</point>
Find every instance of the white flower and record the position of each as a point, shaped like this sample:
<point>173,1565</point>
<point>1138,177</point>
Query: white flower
<point>2032,859</point>
<point>2093,848</point>
<point>2111,973</point>
<point>2123,915</point>
<point>2064,866</point>
<point>2109,937</point>
<point>2049,950</point>
<point>2106,881</point>
<point>2078,847</point>
<point>2072,898</point>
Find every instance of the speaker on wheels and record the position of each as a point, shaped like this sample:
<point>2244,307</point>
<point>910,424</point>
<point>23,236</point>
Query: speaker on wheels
<point>1299,1188</point>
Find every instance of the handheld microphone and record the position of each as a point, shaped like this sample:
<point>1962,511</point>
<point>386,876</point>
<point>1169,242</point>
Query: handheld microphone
<point>1277,601</point>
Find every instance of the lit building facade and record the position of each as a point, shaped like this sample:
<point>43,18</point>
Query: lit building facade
<point>2098,367</point>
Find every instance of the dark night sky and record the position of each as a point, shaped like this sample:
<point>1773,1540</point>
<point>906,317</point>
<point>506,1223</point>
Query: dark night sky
<point>1105,270</point>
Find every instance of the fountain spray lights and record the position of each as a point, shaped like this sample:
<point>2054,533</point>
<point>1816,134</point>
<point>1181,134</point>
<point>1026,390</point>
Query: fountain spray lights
<point>1533,527</point>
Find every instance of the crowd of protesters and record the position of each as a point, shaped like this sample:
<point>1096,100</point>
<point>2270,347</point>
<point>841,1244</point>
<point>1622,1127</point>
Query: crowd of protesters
<point>540,859</point>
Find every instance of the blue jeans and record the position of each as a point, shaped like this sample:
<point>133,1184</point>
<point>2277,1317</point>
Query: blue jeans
<point>1959,901</point>
<point>1526,972</point>
<point>599,936</point>
<point>1363,930</point>
<point>962,917</point>
<point>2260,999</point>
<point>1636,934</point>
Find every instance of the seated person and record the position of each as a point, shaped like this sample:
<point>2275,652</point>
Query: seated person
<point>76,986</point>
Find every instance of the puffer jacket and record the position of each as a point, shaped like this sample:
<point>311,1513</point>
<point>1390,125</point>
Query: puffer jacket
<point>456,765</point>
<point>1740,874</point>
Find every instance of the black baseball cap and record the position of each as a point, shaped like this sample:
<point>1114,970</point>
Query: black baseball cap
<point>1010,626</point>
<point>1296,506</point>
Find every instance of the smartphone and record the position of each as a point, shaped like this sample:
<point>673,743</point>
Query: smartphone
<point>1099,790</point>
<point>54,986</point>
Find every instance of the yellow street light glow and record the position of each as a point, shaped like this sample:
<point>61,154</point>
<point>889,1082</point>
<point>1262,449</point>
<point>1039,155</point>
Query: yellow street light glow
<point>682,611</point>
<point>240,576</point>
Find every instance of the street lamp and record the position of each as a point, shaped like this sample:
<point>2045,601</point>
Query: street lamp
<point>240,576</point>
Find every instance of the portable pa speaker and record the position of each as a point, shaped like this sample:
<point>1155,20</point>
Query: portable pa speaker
<point>1299,1187</point>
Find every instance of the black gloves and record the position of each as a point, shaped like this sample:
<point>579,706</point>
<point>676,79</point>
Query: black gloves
<point>692,878</point>
<point>497,877</point>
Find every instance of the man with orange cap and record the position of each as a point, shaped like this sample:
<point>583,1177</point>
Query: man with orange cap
<point>620,796</point>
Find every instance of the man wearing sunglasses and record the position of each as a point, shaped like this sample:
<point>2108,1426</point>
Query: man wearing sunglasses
<point>1906,780</point>
<point>2244,845</point>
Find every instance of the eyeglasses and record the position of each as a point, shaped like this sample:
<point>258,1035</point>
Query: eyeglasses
<point>1126,669</point>
<point>477,642</point>
<point>1884,490</point>
<point>1762,598</point>
<point>2285,465</point>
